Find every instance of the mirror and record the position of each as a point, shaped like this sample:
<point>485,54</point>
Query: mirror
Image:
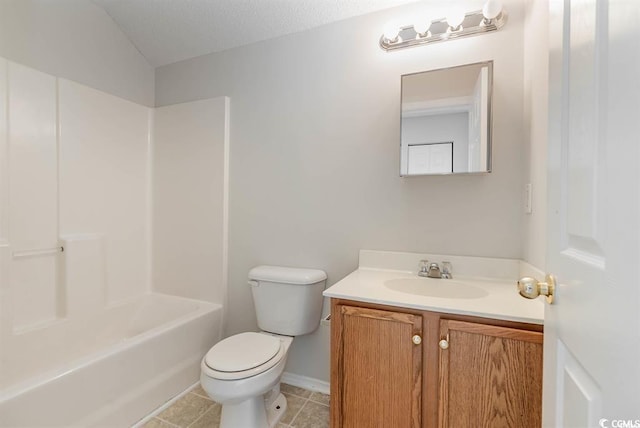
<point>445,125</point>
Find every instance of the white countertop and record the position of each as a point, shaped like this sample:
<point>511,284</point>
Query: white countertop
<point>500,299</point>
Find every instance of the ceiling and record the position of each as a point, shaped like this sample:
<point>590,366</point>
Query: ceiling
<point>167,31</point>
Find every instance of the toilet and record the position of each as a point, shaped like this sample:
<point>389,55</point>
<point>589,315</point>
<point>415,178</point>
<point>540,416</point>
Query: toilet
<point>243,372</point>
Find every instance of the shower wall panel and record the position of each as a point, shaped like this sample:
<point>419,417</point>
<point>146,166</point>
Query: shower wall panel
<point>74,174</point>
<point>104,172</point>
<point>190,182</point>
<point>33,202</point>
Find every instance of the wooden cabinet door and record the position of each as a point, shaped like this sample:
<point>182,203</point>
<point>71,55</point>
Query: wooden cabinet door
<point>376,378</point>
<point>489,376</point>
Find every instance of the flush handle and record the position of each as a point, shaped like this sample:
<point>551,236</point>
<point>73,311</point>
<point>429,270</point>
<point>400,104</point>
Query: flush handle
<point>416,339</point>
<point>531,288</point>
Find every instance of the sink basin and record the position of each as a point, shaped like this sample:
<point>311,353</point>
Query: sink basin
<point>445,288</point>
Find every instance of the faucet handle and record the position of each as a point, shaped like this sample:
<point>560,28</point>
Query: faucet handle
<point>446,270</point>
<point>423,267</point>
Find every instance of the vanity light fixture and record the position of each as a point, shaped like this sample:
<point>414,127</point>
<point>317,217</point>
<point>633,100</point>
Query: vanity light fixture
<point>421,27</point>
<point>454,18</point>
<point>391,32</point>
<point>455,25</point>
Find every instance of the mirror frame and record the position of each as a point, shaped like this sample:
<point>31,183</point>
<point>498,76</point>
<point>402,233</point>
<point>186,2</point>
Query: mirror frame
<point>488,63</point>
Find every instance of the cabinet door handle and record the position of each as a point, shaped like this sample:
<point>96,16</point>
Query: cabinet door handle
<point>444,343</point>
<point>416,339</point>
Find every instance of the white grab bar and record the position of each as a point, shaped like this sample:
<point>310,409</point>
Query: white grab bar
<point>39,252</point>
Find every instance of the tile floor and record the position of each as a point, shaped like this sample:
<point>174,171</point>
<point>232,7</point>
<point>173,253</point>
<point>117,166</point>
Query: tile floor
<point>305,409</point>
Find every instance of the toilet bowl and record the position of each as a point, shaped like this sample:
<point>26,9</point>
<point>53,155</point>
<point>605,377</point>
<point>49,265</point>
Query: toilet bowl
<point>243,372</point>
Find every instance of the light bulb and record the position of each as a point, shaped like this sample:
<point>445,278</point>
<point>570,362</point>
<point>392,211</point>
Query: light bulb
<point>422,27</point>
<point>492,9</point>
<point>391,31</point>
<point>455,17</point>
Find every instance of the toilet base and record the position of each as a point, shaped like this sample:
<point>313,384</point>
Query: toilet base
<point>276,410</point>
<point>256,412</point>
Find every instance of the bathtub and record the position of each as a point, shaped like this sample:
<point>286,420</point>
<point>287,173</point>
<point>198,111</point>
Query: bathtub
<point>109,369</point>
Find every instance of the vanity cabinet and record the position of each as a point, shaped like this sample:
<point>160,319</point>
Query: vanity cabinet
<point>396,367</point>
<point>378,367</point>
<point>489,376</point>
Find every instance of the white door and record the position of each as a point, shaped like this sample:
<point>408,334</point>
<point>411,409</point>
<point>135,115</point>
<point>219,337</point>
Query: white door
<point>592,330</point>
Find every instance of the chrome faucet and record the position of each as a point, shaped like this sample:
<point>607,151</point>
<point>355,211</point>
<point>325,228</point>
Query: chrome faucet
<point>432,270</point>
<point>423,268</point>
<point>446,270</point>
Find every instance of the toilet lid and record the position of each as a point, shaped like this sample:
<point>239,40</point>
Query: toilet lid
<point>241,352</point>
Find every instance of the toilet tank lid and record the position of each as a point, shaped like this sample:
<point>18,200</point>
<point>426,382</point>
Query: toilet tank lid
<point>287,275</point>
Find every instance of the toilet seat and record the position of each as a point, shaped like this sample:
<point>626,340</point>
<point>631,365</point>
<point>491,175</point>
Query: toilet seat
<point>243,355</point>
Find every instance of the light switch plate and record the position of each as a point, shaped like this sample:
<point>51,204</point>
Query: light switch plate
<point>528,209</point>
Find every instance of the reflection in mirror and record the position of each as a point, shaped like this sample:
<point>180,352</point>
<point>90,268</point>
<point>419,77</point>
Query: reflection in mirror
<point>446,121</point>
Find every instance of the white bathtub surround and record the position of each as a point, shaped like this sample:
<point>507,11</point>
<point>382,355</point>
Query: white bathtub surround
<point>492,283</point>
<point>86,339</point>
<point>103,181</point>
<point>113,368</point>
<point>190,198</point>
<point>33,208</point>
<point>74,161</point>
<point>84,274</point>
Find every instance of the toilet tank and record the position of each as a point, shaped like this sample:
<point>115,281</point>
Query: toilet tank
<point>287,300</point>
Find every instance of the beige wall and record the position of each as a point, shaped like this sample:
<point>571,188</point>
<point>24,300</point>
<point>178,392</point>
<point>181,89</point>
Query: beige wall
<point>314,163</point>
<point>76,40</point>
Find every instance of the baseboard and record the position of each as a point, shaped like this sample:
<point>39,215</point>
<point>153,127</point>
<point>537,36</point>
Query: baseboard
<point>305,382</point>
